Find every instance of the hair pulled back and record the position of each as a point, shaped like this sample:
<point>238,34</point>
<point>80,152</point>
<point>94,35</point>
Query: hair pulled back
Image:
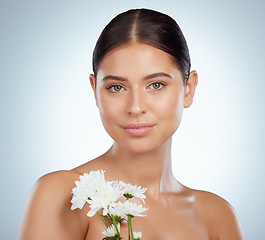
<point>148,27</point>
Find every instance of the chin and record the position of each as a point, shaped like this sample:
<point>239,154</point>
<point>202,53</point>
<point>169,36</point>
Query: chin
<point>141,146</point>
<point>141,149</point>
<point>151,142</point>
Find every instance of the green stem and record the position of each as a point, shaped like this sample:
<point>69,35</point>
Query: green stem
<point>129,229</point>
<point>102,218</point>
<point>115,224</point>
<point>130,223</point>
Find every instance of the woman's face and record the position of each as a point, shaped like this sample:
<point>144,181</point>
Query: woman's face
<point>140,96</point>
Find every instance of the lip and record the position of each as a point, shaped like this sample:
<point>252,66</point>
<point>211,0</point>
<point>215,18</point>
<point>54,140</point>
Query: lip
<point>138,129</point>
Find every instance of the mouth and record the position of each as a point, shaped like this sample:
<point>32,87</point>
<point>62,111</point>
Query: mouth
<point>138,129</point>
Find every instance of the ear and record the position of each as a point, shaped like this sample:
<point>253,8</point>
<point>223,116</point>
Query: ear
<point>93,80</point>
<point>190,89</point>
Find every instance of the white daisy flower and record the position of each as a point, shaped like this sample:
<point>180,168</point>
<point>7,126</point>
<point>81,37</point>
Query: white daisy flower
<point>101,194</point>
<point>105,195</point>
<point>117,211</point>
<point>137,235</point>
<point>111,231</point>
<point>127,209</point>
<point>86,187</point>
<point>130,191</point>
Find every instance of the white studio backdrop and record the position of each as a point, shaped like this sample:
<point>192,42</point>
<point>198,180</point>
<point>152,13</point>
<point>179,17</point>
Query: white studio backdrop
<point>49,120</point>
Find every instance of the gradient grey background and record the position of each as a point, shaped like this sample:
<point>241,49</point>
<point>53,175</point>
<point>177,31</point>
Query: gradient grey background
<point>49,120</point>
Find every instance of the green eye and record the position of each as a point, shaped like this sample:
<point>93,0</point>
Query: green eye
<point>157,85</point>
<point>115,88</point>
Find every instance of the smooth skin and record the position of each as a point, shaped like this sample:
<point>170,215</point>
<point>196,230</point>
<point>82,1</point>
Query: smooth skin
<point>136,83</point>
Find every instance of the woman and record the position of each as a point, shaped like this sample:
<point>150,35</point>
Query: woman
<point>142,82</point>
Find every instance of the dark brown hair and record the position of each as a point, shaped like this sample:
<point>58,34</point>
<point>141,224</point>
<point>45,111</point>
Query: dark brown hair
<point>144,26</point>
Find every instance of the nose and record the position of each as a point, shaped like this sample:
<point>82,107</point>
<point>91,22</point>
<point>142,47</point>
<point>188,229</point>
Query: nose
<point>136,102</point>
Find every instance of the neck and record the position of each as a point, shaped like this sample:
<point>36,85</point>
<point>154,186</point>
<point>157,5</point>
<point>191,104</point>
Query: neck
<point>150,169</point>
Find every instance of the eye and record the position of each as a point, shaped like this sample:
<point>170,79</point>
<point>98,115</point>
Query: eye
<point>157,85</point>
<point>115,88</point>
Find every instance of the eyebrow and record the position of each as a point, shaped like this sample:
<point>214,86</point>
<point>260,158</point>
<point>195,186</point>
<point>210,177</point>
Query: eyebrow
<point>159,74</point>
<point>148,77</point>
<point>110,77</point>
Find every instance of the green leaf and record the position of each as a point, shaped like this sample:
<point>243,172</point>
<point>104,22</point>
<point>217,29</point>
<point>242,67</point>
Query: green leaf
<point>109,238</point>
<point>131,216</point>
<point>116,237</point>
<point>128,195</point>
<point>119,219</point>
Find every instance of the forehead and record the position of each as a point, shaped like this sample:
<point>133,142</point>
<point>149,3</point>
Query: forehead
<point>134,60</point>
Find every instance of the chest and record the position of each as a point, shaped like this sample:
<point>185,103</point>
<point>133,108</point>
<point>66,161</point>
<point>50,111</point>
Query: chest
<point>171,223</point>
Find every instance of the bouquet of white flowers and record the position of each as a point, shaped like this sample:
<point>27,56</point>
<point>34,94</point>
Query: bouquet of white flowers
<point>101,194</point>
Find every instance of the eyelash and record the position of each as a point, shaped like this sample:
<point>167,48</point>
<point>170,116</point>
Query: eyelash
<point>162,85</point>
<point>111,87</point>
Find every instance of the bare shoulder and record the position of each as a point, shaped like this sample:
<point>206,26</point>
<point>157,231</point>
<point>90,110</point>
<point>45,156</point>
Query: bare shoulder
<point>218,214</point>
<point>55,187</point>
<point>48,213</point>
<point>57,178</point>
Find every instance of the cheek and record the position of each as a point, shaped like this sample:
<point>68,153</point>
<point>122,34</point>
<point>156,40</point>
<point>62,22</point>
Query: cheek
<point>109,108</point>
<point>171,107</point>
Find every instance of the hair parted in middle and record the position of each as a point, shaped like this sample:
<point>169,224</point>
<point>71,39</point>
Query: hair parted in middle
<point>144,26</point>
